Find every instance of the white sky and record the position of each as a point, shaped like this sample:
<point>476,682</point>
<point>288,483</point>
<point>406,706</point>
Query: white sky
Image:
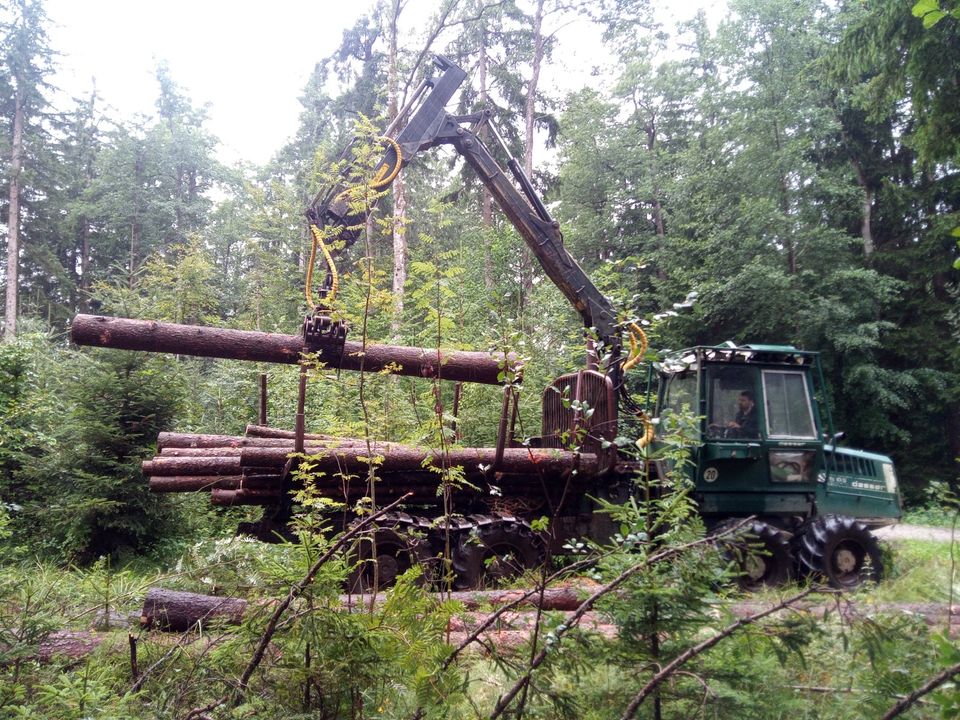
<point>248,60</point>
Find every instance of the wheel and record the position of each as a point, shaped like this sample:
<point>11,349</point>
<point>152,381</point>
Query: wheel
<point>761,553</point>
<point>840,549</point>
<point>496,551</point>
<point>384,554</point>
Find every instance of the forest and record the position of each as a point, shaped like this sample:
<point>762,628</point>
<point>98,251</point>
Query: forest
<point>789,175</point>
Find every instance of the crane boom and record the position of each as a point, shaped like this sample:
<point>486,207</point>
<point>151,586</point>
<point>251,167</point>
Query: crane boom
<point>431,125</point>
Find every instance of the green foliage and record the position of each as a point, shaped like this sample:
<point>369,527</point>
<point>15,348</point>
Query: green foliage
<point>119,402</point>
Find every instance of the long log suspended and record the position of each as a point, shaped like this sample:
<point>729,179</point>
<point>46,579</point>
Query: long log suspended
<point>191,440</point>
<point>179,611</point>
<point>151,336</point>
<point>390,458</point>
<point>174,610</point>
<point>168,441</point>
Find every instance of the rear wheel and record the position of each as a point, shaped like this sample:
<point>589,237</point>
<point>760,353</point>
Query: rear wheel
<point>497,551</point>
<point>384,554</point>
<point>841,550</point>
<point>760,551</point>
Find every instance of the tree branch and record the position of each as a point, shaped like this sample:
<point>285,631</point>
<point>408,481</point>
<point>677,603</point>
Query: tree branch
<point>924,689</point>
<point>672,667</point>
<point>585,607</point>
<point>282,607</point>
<point>295,591</point>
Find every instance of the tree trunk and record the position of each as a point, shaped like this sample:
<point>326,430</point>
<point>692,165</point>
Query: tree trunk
<point>84,284</point>
<point>785,209</point>
<point>13,221</point>
<point>486,208</point>
<point>529,115</point>
<point>657,207</point>
<point>399,187</point>
<point>866,232</point>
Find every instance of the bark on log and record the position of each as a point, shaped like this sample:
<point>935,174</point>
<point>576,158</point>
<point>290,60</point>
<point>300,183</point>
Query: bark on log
<point>200,452</point>
<point>179,611</point>
<point>170,466</point>
<point>245,496</point>
<point>404,458</point>
<point>72,644</point>
<point>189,441</point>
<point>265,431</point>
<point>150,336</point>
<point>167,442</point>
<point>201,483</point>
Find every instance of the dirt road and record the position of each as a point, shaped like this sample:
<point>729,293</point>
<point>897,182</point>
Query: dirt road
<point>915,532</point>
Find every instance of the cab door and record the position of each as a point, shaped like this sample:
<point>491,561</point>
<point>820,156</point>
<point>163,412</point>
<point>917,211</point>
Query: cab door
<point>793,441</point>
<point>762,452</point>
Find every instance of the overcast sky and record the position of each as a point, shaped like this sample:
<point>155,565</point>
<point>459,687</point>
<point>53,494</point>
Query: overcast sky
<point>248,60</point>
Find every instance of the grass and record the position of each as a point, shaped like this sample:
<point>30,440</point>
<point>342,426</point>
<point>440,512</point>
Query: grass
<point>919,571</point>
<point>933,515</point>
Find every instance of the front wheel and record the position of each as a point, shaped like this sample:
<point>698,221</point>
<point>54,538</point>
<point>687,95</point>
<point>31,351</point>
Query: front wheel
<point>841,550</point>
<point>760,553</point>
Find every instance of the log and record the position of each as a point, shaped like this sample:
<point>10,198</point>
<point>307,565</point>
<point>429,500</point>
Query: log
<point>265,431</point>
<point>151,336</point>
<point>179,611</point>
<point>405,458</point>
<point>245,496</point>
<point>201,483</point>
<point>167,441</point>
<point>169,466</point>
<point>210,452</point>
<point>68,644</point>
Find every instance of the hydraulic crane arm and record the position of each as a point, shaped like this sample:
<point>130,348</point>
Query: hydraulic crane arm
<point>431,125</point>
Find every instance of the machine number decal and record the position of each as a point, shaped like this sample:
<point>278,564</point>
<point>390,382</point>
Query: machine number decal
<point>710,474</point>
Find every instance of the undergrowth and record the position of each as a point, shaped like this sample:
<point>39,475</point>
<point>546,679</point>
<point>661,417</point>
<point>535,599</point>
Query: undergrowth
<point>389,662</point>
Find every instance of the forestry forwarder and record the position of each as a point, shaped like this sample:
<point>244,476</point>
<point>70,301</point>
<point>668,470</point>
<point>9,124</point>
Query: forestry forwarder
<point>812,502</point>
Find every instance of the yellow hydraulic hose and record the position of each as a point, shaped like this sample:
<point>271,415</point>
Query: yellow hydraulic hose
<point>335,277</point>
<point>638,348</point>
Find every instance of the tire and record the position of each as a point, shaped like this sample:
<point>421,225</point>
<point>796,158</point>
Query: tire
<point>497,551</point>
<point>384,554</point>
<point>761,553</point>
<point>840,550</point>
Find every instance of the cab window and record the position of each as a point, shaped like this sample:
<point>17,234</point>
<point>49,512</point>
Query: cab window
<point>787,407</point>
<point>679,396</point>
<point>732,398</point>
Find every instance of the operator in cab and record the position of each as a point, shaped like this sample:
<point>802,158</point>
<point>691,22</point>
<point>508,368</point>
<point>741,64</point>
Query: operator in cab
<point>745,423</point>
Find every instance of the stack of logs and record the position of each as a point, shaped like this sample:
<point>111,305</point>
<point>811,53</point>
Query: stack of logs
<point>254,469</point>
